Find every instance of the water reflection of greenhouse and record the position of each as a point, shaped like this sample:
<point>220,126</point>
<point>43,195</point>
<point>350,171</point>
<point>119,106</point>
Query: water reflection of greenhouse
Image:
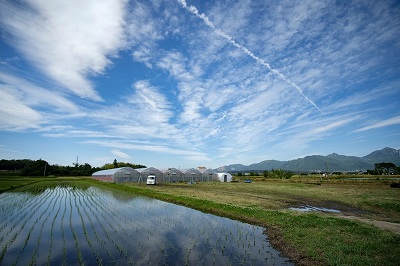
<point>128,174</point>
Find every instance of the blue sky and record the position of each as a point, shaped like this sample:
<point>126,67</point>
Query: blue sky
<point>197,83</point>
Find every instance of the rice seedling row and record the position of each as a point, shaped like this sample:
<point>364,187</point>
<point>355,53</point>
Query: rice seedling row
<point>34,257</point>
<point>17,207</point>
<point>18,224</point>
<point>34,233</point>
<point>59,196</point>
<point>89,231</point>
<point>88,240</point>
<point>20,233</point>
<point>99,235</point>
<point>86,206</point>
<point>78,251</point>
<point>107,233</point>
<point>64,246</point>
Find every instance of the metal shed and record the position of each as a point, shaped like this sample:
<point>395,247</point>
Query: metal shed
<point>117,175</point>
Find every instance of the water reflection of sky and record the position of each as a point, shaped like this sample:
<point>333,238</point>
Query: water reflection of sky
<point>91,226</point>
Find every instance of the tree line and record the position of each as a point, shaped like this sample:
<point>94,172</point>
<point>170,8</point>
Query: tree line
<point>26,167</point>
<point>380,169</point>
<point>278,173</point>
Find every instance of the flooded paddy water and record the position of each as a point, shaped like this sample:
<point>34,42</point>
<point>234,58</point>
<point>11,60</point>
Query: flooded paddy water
<point>309,208</point>
<point>70,226</point>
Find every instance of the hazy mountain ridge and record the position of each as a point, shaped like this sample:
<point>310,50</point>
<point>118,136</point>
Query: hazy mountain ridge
<point>332,163</point>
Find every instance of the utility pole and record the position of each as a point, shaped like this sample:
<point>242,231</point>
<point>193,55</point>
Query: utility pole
<point>327,169</point>
<point>76,164</point>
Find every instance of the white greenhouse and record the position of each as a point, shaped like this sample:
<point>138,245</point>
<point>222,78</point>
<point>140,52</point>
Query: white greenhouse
<point>173,175</point>
<point>117,175</point>
<point>167,175</point>
<point>224,177</point>
<point>145,172</point>
<point>192,175</point>
<point>208,175</point>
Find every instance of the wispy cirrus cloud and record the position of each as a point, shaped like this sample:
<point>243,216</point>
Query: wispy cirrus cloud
<point>67,40</point>
<point>14,115</point>
<point>154,108</point>
<point>32,94</point>
<point>121,154</point>
<point>259,60</point>
<point>129,145</point>
<point>143,32</point>
<point>25,107</point>
<point>387,122</point>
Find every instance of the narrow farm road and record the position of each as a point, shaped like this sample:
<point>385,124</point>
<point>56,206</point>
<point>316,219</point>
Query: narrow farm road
<point>393,227</point>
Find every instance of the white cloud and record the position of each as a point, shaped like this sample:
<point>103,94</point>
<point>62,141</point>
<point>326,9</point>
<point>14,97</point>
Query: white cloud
<point>143,31</point>
<point>14,114</point>
<point>36,96</point>
<point>303,133</point>
<point>387,122</point>
<point>120,154</point>
<point>70,133</point>
<point>26,106</point>
<point>243,48</point>
<point>67,40</point>
<point>137,146</point>
<point>152,104</point>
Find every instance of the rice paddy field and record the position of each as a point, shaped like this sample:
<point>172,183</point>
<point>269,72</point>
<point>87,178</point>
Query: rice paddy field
<point>66,224</point>
<point>81,221</point>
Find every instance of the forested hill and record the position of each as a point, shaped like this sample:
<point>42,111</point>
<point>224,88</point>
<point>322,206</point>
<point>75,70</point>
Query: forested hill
<point>330,163</point>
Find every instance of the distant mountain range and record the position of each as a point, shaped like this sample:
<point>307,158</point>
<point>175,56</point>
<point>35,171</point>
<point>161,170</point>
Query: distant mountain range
<point>331,163</point>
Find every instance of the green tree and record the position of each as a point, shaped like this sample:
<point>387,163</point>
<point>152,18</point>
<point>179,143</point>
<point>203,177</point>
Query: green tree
<point>35,168</point>
<point>116,164</point>
<point>280,174</point>
<point>385,168</point>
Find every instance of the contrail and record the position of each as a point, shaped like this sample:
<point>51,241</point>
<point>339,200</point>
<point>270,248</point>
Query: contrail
<point>202,16</point>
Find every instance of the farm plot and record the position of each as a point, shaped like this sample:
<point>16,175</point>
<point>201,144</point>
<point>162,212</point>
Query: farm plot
<point>66,225</point>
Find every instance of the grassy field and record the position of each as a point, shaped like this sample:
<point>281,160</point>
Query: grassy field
<point>308,238</point>
<point>369,199</point>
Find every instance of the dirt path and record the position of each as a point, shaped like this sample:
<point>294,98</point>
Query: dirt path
<point>393,227</point>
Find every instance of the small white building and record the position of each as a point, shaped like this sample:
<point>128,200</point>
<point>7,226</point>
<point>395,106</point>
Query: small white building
<point>224,177</point>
